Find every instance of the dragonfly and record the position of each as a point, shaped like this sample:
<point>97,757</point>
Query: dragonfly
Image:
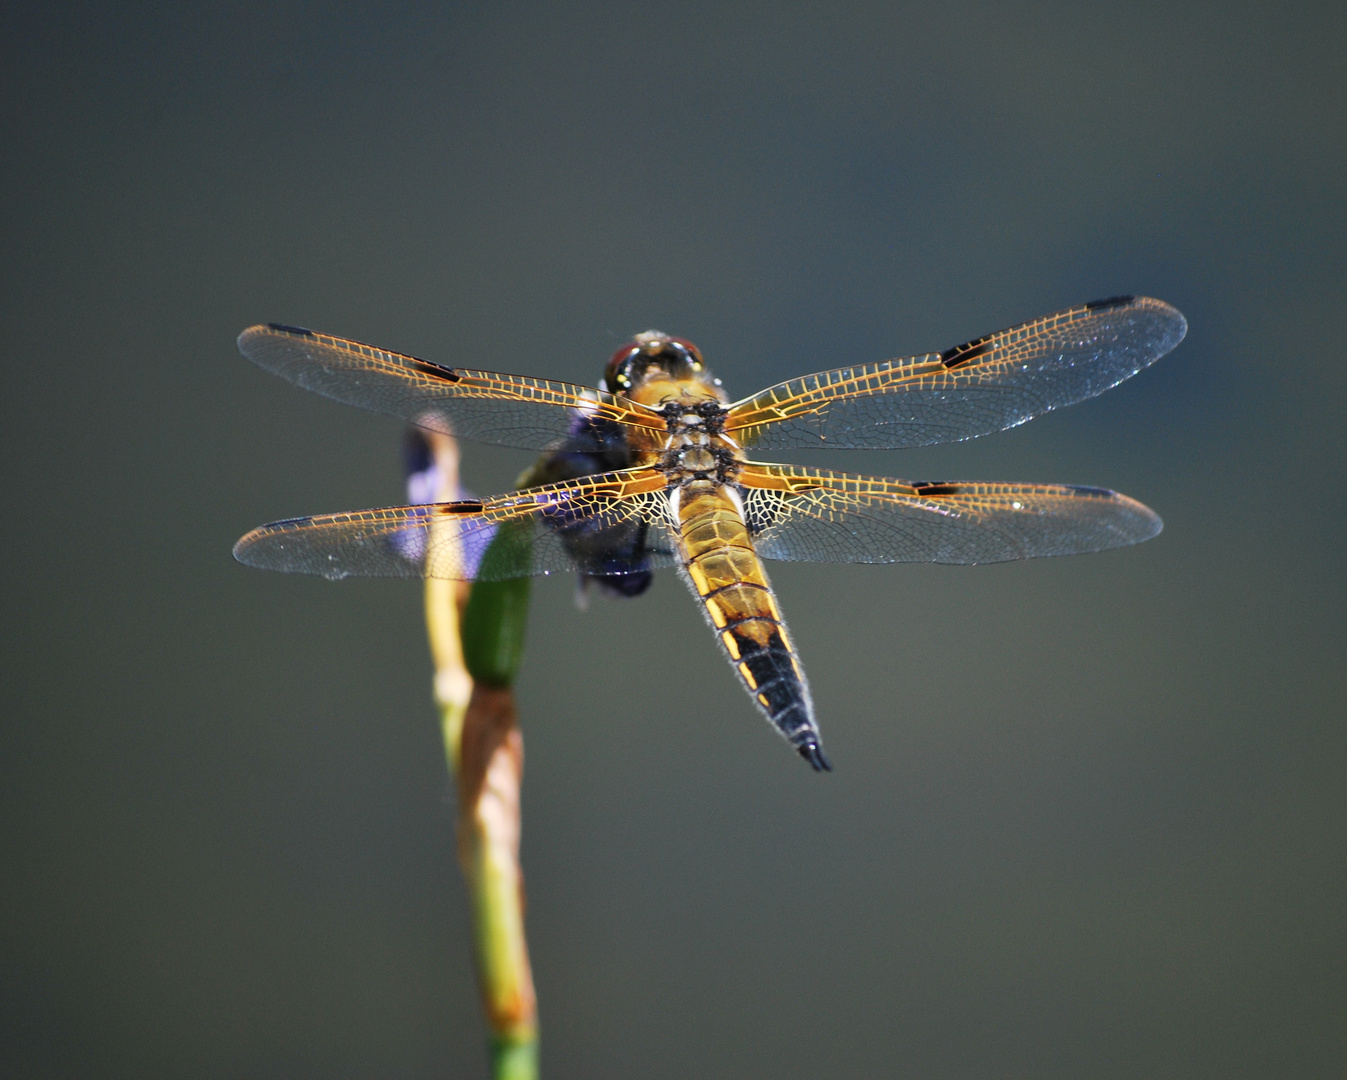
<point>652,469</point>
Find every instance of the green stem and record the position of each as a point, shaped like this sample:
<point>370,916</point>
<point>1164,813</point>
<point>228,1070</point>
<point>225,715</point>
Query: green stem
<point>476,640</point>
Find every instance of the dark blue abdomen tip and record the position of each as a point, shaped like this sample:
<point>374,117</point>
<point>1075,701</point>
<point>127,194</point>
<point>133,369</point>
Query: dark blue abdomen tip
<point>813,753</point>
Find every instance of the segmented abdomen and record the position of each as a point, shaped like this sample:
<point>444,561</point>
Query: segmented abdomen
<point>724,571</point>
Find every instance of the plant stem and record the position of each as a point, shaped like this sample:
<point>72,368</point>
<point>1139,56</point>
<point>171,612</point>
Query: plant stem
<point>485,751</point>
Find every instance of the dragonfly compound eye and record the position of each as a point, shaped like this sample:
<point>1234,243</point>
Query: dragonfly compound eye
<point>618,376</point>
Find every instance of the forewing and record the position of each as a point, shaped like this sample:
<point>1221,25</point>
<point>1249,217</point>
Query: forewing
<point>986,385</point>
<point>541,530</point>
<point>808,515</point>
<point>510,410</point>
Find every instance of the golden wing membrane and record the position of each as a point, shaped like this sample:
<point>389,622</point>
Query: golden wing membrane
<point>986,385</point>
<point>511,410</point>
<point>541,530</point>
<point>808,515</point>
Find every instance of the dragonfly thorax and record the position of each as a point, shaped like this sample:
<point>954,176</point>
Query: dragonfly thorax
<point>699,455</point>
<point>697,459</point>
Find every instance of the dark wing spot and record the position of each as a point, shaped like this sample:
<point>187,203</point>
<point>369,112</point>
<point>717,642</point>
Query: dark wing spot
<point>434,371</point>
<point>1093,492</point>
<point>967,352</point>
<point>1109,303</point>
<point>936,488</point>
<point>472,506</point>
<point>298,330</point>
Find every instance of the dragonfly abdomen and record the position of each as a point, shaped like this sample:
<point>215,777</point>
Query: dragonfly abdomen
<point>725,572</point>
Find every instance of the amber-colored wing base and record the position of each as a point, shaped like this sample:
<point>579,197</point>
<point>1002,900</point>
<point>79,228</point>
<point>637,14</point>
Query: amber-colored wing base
<point>510,410</point>
<point>547,531</point>
<point>793,513</point>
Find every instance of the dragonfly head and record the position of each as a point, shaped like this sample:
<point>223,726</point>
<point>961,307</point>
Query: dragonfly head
<point>653,356</point>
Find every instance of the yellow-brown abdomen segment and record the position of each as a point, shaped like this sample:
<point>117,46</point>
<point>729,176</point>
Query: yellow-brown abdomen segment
<point>724,571</point>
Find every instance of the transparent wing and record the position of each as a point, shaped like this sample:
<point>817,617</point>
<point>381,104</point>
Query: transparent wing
<point>507,409</point>
<point>986,385</point>
<point>807,515</point>
<point>612,523</point>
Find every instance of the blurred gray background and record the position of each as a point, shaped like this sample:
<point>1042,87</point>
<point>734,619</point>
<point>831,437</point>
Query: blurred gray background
<point>1088,815</point>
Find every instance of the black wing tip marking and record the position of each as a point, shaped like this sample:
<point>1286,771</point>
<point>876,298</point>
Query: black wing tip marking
<point>425,367</point>
<point>467,506</point>
<point>280,525</point>
<point>1111,302</point>
<point>1164,319</point>
<point>979,347</point>
<point>813,753</point>
<point>936,487</point>
<point>1138,521</point>
<point>247,545</point>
